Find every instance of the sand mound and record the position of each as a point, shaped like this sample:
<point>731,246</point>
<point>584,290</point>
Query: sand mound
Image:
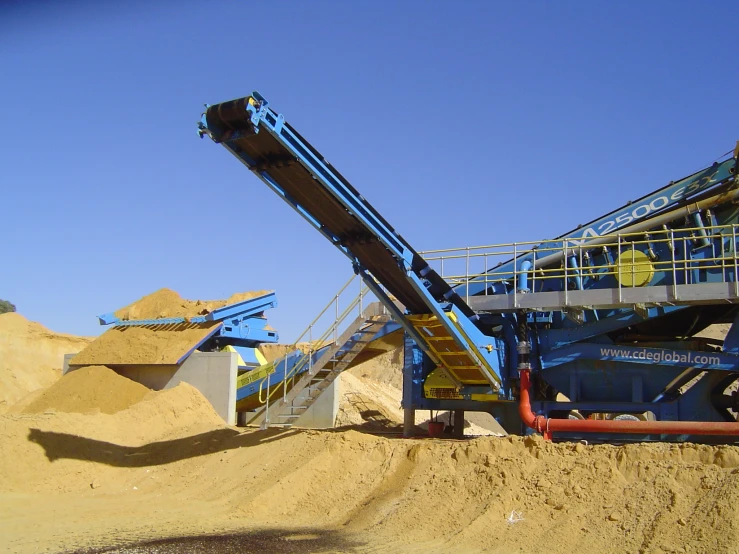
<point>168,303</point>
<point>386,368</point>
<point>502,494</point>
<point>490,494</point>
<point>31,356</point>
<point>374,406</point>
<point>144,345</point>
<point>89,389</point>
<point>180,411</point>
<point>88,447</point>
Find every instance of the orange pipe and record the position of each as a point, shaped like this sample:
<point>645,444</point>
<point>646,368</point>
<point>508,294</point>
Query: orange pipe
<point>547,426</point>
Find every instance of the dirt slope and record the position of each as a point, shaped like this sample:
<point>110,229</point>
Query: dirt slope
<point>31,356</point>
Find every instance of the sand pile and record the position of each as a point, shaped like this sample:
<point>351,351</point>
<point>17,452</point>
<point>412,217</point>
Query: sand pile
<point>86,436</point>
<point>372,405</point>
<point>31,356</point>
<point>503,494</point>
<point>168,303</point>
<point>89,389</point>
<point>385,368</point>
<point>377,494</point>
<point>145,345</point>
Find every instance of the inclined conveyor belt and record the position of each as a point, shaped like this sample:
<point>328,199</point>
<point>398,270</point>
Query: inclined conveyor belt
<point>352,229</point>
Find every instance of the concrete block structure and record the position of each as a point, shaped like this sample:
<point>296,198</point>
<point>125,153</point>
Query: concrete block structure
<point>214,375</point>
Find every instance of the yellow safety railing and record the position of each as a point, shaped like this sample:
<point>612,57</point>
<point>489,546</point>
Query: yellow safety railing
<point>337,317</point>
<point>479,264</point>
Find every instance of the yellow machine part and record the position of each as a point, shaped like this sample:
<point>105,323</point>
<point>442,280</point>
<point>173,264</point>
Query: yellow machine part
<point>240,361</point>
<point>256,374</point>
<point>438,385</point>
<point>456,360</point>
<point>634,268</point>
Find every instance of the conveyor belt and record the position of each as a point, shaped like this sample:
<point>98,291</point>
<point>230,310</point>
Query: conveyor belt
<point>267,154</point>
<point>289,165</point>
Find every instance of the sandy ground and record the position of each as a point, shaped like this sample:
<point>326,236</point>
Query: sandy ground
<point>31,356</point>
<point>119,465</point>
<point>165,467</point>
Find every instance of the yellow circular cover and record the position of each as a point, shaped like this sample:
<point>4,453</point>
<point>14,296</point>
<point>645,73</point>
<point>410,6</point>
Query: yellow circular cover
<point>633,268</point>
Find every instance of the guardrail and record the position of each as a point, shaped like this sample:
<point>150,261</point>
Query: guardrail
<point>536,262</point>
<point>338,313</point>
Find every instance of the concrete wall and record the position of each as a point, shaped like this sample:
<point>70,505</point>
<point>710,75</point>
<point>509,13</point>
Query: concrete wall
<point>322,414</point>
<point>214,375</point>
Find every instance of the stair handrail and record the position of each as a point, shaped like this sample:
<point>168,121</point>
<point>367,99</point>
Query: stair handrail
<point>307,357</point>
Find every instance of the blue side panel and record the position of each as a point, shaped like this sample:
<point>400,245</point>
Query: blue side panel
<point>413,375</point>
<point>731,342</point>
<point>556,337</point>
<point>248,355</point>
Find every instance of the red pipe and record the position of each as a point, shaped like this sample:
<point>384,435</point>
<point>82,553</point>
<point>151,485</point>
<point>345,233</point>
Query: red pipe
<point>546,426</point>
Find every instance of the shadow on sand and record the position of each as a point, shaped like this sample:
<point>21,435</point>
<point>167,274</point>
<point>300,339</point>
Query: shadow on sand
<point>277,541</point>
<point>64,445</point>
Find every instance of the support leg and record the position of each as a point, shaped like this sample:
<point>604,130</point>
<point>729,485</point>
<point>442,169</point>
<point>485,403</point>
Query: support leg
<point>409,422</point>
<point>458,424</point>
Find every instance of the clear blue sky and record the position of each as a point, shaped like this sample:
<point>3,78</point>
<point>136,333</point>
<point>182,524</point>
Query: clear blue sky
<point>464,123</point>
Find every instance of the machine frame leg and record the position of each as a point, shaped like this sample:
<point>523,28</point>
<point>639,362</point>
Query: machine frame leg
<point>458,429</point>
<point>409,422</point>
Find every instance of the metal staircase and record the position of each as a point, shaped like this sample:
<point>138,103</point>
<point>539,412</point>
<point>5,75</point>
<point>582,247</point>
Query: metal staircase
<point>311,384</point>
<point>292,386</point>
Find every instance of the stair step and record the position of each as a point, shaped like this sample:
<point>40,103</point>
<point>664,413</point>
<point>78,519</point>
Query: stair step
<point>318,378</point>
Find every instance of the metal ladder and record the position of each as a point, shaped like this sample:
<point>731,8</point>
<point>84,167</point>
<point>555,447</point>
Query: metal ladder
<point>311,384</point>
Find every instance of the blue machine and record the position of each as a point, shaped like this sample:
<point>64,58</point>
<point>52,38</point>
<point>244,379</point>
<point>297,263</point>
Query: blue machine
<point>241,326</point>
<point>590,335</point>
